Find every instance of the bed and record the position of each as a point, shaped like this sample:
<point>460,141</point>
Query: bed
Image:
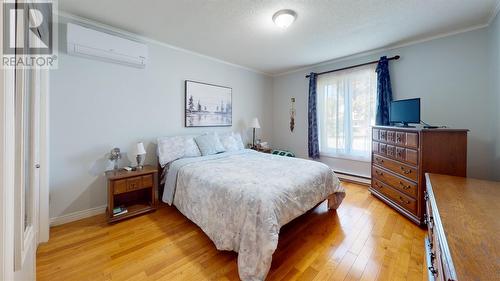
<point>241,199</point>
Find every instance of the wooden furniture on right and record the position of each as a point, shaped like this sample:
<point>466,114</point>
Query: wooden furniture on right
<point>400,158</point>
<point>463,228</point>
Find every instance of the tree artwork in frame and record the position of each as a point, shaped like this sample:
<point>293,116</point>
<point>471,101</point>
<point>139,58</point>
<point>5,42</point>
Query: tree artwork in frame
<point>208,105</point>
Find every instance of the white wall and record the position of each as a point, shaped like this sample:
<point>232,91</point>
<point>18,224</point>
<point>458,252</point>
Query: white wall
<point>450,75</point>
<point>95,106</point>
<point>494,30</point>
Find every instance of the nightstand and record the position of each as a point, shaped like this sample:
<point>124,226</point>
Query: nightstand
<point>261,149</point>
<point>135,191</point>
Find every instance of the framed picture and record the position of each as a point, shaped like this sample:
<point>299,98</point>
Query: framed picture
<point>208,105</point>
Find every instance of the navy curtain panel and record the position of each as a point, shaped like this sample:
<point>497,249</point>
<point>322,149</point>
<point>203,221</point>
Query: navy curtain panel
<point>384,92</point>
<point>313,142</point>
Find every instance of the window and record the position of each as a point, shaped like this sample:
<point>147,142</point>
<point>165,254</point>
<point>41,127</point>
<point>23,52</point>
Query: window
<point>346,112</point>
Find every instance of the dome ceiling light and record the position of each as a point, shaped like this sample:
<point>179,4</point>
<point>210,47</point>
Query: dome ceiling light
<point>284,18</point>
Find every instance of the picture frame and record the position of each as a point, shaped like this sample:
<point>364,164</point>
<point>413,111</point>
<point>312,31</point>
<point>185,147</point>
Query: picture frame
<point>207,105</point>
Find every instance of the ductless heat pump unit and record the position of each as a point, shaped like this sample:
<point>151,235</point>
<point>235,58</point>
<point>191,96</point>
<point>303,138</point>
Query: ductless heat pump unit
<point>93,44</point>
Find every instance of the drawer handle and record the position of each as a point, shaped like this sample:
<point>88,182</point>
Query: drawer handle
<point>405,187</point>
<point>379,160</point>
<point>426,195</point>
<point>398,138</point>
<point>406,172</point>
<point>403,200</point>
<point>379,173</point>
<point>433,270</point>
<point>378,185</point>
<point>428,221</point>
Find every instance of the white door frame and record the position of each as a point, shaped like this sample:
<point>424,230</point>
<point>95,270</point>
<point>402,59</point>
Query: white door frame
<point>8,171</point>
<point>7,157</point>
<point>44,216</point>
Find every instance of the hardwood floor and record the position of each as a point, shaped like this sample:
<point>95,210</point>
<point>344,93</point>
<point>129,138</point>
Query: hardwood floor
<point>363,240</point>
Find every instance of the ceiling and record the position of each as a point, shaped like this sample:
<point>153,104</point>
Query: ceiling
<point>242,31</point>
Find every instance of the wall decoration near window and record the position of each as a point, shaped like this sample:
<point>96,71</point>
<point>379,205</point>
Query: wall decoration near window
<point>207,105</point>
<point>292,114</point>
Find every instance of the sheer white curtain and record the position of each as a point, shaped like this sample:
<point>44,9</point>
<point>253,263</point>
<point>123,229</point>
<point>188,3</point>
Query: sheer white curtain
<point>346,112</point>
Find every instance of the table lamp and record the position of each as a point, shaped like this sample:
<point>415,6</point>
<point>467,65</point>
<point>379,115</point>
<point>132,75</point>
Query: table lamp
<point>141,152</point>
<point>255,125</point>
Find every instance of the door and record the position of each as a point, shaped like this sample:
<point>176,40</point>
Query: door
<point>27,118</point>
<point>26,164</point>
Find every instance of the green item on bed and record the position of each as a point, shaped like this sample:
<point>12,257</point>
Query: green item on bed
<point>283,153</point>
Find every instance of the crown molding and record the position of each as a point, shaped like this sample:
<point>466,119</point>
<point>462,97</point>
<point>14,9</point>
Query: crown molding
<point>145,39</point>
<point>383,49</point>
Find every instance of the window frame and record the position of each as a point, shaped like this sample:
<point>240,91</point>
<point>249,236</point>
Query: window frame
<point>342,77</point>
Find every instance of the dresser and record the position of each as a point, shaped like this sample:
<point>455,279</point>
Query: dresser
<point>401,157</point>
<point>463,226</point>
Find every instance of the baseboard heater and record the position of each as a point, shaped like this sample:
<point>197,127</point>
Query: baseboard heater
<point>343,176</point>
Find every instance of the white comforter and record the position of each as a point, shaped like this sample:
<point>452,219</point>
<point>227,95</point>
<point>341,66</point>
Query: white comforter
<point>241,199</point>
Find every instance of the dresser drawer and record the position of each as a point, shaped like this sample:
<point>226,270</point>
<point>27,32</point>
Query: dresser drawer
<point>400,138</point>
<point>411,140</point>
<point>395,196</point>
<point>382,148</point>
<point>391,151</point>
<point>411,156</point>
<point>399,168</point>
<point>131,184</point>
<point>428,217</point>
<point>402,154</point>
<point>383,135</point>
<point>405,186</point>
<point>391,136</point>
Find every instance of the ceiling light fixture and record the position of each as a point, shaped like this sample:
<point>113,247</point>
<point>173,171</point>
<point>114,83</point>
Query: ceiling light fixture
<point>284,18</point>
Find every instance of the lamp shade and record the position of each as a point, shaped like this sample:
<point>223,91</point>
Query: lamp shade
<point>255,123</point>
<point>140,148</point>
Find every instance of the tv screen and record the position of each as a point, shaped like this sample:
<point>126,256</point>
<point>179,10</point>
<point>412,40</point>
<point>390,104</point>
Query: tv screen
<point>405,111</point>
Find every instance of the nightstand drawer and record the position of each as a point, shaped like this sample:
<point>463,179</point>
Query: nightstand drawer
<point>131,184</point>
<point>119,186</point>
<point>147,181</point>
<point>134,183</point>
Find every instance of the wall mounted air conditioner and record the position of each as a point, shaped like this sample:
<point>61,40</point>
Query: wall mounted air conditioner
<point>93,44</point>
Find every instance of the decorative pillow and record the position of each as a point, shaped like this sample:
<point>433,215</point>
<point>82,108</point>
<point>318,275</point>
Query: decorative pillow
<point>170,149</point>
<point>209,144</point>
<point>239,142</point>
<point>229,142</point>
<point>173,148</point>
<point>190,147</point>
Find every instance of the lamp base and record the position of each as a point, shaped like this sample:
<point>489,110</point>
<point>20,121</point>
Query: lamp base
<point>140,161</point>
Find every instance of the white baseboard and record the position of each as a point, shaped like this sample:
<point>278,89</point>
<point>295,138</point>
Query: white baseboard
<point>77,215</point>
<point>353,178</point>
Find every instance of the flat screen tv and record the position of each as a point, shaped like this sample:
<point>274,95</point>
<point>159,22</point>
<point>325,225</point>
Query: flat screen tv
<point>404,112</point>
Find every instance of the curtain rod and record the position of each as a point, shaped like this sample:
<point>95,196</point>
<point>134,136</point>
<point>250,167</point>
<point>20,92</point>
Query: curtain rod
<point>353,66</point>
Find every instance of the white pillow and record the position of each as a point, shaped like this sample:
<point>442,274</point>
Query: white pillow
<point>209,144</point>
<point>229,142</point>
<point>170,149</point>
<point>173,148</point>
<point>238,140</point>
<point>190,147</point>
